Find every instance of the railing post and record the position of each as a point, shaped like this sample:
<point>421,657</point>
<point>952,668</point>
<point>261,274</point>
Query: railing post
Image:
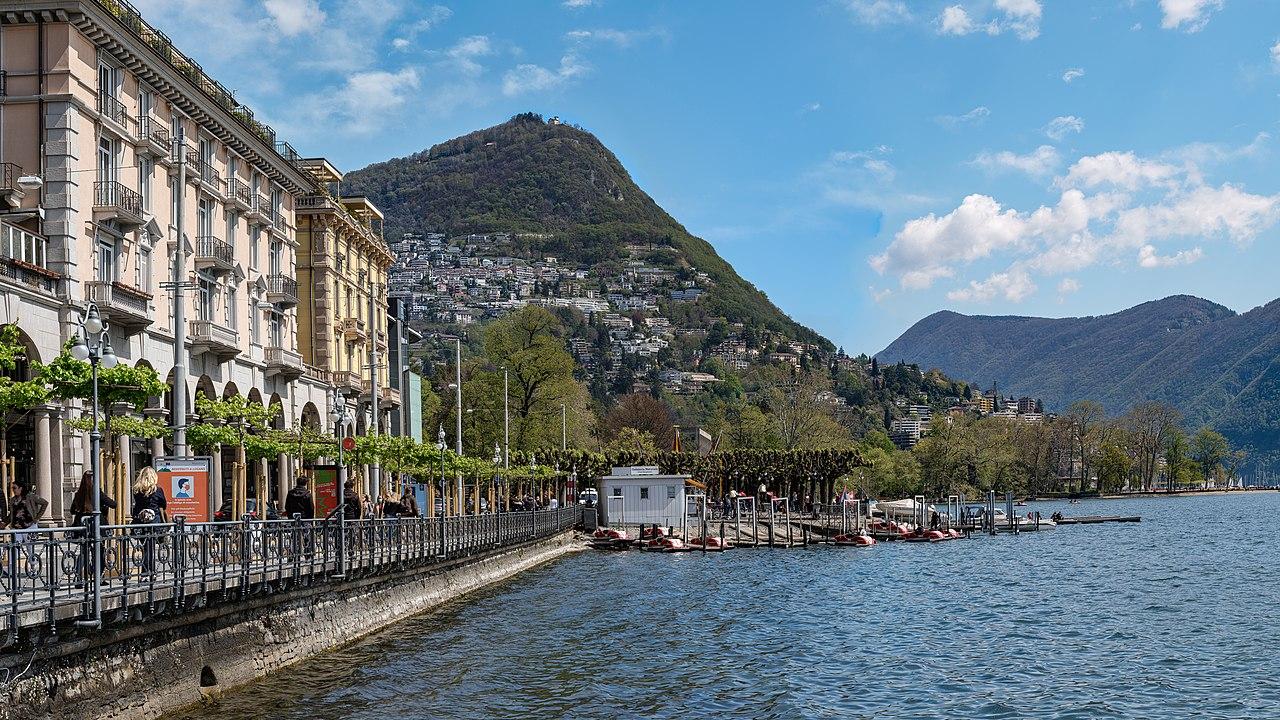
<point>179,562</point>
<point>246,547</point>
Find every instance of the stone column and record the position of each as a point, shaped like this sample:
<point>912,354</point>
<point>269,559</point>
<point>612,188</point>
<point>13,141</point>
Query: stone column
<point>124,451</point>
<point>61,494</point>
<point>44,469</point>
<point>283,482</point>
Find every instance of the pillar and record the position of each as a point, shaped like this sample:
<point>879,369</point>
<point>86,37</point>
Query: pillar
<point>124,452</point>
<point>215,482</point>
<point>283,482</point>
<point>61,499</point>
<point>44,469</point>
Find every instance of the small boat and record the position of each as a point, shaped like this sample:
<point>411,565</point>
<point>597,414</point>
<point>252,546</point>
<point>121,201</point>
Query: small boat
<point>610,539</point>
<point>852,540</point>
<point>711,544</point>
<point>666,544</point>
<point>1020,503</point>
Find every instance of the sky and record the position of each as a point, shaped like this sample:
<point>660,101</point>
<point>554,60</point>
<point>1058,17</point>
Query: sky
<point>863,162</point>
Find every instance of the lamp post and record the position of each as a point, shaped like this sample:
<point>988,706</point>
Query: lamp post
<point>95,347</point>
<point>444,507</point>
<point>533,475</point>
<point>506,422</point>
<point>342,417</point>
<point>564,428</point>
<point>497,458</point>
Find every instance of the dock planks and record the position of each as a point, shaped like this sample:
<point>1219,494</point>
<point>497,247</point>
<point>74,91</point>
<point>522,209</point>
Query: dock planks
<point>1095,519</point>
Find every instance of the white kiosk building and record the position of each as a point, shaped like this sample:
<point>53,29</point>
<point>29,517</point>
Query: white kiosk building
<point>640,495</point>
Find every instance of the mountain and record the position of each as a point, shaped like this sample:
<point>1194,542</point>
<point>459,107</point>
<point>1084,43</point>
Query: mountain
<point>562,186</point>
<point>1217,366</point>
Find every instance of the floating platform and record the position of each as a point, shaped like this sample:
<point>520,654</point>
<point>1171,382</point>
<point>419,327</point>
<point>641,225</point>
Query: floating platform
<point>1095,519</point>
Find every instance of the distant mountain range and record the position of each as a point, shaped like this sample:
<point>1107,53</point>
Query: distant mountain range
<point>561,184</point>
<point>1218,366</point>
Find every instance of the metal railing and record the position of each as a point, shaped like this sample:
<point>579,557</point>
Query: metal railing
<point>47,577</point>
<point>12,171</point>
<point>238,191</point>
<point>112,109</point>
<point>212,248</point>
<point>155,132</point>
<point>284,286</point>
<point>117,296</point>
<point>114,194</point>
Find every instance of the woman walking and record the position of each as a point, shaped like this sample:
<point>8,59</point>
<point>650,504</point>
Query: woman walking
<point>81,514</point>
<point>149,507</point>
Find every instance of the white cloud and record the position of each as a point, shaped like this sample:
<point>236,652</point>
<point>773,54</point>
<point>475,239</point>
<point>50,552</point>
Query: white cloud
<point>293,17</point>
<point>1063,125</point>
<point>926,248</point>
<point>365,103</point>
<point>1040,162</point>
<point>976,116</point>
<point>1275,55</point>
<point>1148,258</point>
<point>879,295</point>
<point>620,38</point>
<point>1121,169</point>
<point>1021,17</point>
<point>1189,15</point>
<point>812,107</point>
<point>1072,74</point>
<point>431,18</point>
<point>1067,286</point>
<point>578,3</point>
<point>1015,285</point>
<point>879,12</point>
<point>527,78</point>
<point>1204,212</point>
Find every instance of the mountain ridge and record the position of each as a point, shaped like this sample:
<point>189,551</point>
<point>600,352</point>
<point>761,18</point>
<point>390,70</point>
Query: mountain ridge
<point>1216,365</point>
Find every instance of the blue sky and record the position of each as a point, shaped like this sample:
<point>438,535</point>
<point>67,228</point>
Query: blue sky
<point>864,162</point>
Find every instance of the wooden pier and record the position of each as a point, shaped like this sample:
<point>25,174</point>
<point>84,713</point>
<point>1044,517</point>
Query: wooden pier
<point>1095,519</point>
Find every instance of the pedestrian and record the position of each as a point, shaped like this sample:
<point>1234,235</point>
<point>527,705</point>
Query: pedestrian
<point>298,501</point>
<point>409,501</point>
<point>81,514</point>
<point>391,507</point>
<point>149,508</point>
<point>25,510</point>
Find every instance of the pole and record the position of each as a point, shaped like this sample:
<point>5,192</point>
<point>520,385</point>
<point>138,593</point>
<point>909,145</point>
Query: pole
<point>564,428</point>
<point>342,505</point>
<point>95,444</point>
<point>506,423</point>
<point>374,470</point>
<point>179,311</point>
<point>458,379</point>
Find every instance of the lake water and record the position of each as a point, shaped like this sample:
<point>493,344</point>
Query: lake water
<point>1173,617</point>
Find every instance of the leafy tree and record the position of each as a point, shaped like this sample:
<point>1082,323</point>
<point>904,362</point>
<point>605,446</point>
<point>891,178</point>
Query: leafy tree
<point>631,439</point>
<point>15,395</point>
<point>1151,426</point>
<point>640,412</point>
<point>1209,449</point>
<point>1113,467</point>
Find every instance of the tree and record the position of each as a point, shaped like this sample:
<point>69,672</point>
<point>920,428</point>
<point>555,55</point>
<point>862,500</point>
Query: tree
<point>640,412</point>
<point>801,418</point>
<point>1086,422</point>
<point>630,439</point>
<point>1150,425</point>
<point>1113,467</point>
<point>15,395</point>
<point>1210,449</point>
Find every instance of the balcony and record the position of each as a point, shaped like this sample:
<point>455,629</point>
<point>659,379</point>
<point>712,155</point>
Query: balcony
<point>387,396</point>
<point>238,193</point>
<point>347,382</point>
<point>279,225</point>
<point>9,190</point>
<point>353,329</point>
<point>260,211</point>
<point>209,337</point>
<point>211,179</point>
<point>113,111</point>
<point>158,143</point>
<point>318,202</point>
<point>380,339</point>
<point>112,201</point>
<point>123,306</point>
<point>282,289</point>
<point>214,254</point>
<point>320,375</point>
<point>285,363</point>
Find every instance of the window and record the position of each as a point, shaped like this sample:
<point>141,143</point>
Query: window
<point>277,328</point>
<point>142,279</point>
<point>106,81</point>
<point>617,492</point>
<point>233,166</point>
<point>144,182</point>
<point>106,159</point>
<point>255,321</point>
<point>106,259</point>
<point>671,492</point>
<point>232,221</point>
<point>204,218</point>
<point>206,160</point>
<point>207,296</point>
<point>175,124</point>
<point>230,307</point>
<point>275,262</point>
<point>255,235</point>
<point>644,493</point>
<point>146,103</point>
<point>277,203</point>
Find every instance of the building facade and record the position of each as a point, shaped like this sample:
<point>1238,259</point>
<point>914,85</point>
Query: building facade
<point>110,141</point>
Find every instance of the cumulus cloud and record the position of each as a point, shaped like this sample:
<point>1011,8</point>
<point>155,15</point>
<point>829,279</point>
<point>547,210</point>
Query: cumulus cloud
<point>1062,126</point>
<point>292,17</point>
<point>365,101</point>
<point>1020,17</point>
<point>1275,55</point>
<point>1187,15</point>
<point>1148,258</point>
<point>1041,162</point>
<point>1067,286</point>
<point>1014,285</point>
<point>976,116</point>
<point>527,78</point>
<point>1120,169</point>
<point>620,38</point>
<point>878,12</point>
<point>431,18</point>
<point>1071,74</point>
<point>579,3</point>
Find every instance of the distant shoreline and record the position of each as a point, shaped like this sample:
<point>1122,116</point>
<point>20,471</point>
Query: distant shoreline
<point>1154,495</point>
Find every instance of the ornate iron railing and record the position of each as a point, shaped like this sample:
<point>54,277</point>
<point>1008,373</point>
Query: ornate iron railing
<point>47,574</point>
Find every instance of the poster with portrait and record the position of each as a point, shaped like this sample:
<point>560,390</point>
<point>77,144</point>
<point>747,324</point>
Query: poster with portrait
<point>185,482</point>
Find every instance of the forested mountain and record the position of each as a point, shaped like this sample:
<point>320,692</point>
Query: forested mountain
<point>1213,364</point>
<point>560,182</point>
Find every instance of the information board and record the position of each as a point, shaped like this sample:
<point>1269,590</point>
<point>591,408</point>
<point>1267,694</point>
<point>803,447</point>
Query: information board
<point>185,482</point>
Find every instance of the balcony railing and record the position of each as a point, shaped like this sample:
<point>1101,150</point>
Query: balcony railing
<point>125,306</point>
<point>113,201</point>
<point>238,192</point>
<point>211,337</point>
<point>210,177</point>
<point>284,362</point>
<point>320,375</point>
<point>215,254</point>
<point>346,381</point>
<point>261,208</point>
<point>353,328</point>
<point>114,110</point>
<point>314,201</point>
<point>21,273</point>
<point>282,289</point>
<point>279,223</point>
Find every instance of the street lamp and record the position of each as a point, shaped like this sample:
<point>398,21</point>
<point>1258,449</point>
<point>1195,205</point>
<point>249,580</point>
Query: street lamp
<point>497,459</point>
<point>95,347</point>
<point>342,417</point>
<point>440,446</point>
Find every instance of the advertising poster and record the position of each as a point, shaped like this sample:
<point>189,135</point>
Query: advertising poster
<point>185,482</point>
<point>326,497</point>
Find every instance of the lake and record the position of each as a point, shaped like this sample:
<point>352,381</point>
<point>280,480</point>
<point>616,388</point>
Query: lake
<point>1175,616</point>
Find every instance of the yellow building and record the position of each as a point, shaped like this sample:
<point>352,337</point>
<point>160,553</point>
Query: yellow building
<point>342,259</point>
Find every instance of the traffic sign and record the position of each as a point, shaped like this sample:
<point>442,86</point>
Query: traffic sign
<point>348,444</point>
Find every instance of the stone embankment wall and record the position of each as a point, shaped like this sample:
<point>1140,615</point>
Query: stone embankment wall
<point>147,669</point>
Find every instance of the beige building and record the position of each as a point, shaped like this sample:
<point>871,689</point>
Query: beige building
<point>92,103</point>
